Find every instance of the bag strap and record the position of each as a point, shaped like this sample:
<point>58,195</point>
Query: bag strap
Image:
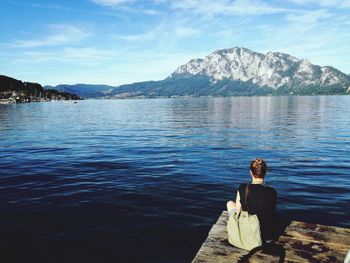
<point>246,196</point>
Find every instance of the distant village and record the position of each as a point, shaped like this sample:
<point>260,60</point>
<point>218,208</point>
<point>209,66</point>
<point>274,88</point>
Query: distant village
<point>9,97</point>
<point>15,91</point>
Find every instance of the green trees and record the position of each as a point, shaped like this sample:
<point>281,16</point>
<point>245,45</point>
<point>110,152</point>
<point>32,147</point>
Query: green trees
<point>28,91</point>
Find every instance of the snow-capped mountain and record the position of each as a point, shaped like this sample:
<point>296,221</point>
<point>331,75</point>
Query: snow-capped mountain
<point>273,69</point>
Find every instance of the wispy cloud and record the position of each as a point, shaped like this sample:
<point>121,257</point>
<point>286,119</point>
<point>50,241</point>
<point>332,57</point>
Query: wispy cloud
<point>39,5</point>
<point>319,35</point>
<point>227,7</point>
<point>87,56</point>
<point>151,12</point>
<point>203,7</point>
<point>145,36</point>
<point>58,35</point>
<point>163,31</point>
<point>324,3</point>
<point>130,6</point>
<point>112,2</point>
<point>309,18</point>
<point>183,31</point>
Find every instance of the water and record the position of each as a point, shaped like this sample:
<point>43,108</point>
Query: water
<point>144,180</point>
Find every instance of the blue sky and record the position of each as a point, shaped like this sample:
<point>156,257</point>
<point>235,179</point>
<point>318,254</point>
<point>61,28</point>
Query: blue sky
<point>123,41</point>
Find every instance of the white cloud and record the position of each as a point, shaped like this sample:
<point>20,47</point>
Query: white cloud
<point>163,31</point>
<point>130,7</point>
<point>150,35</point>
<point>151,12</point>
<point>319,35</point>
<point>206,7</point>
<point>227,7</point>
<point>111,2</point>
<point>86,56</point>
<point>324,3</point>
<point>309,18</point>
<point>59,35</point>
<point>182,31</point>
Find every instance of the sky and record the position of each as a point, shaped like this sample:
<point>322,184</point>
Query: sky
<point>116,42</point>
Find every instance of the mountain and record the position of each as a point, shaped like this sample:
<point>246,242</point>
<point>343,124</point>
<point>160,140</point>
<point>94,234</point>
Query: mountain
<point>84,90</point>
<point>13,90</point>
<point>273,70</point>
<point>237,72</point>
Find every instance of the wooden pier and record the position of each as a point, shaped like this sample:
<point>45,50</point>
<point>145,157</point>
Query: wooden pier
<point>298,242</point>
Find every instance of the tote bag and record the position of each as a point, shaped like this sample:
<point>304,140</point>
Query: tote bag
<point>243,229</point>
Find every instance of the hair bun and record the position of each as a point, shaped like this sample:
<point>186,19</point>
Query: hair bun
<point>258,167</point>
<point>259,161</point>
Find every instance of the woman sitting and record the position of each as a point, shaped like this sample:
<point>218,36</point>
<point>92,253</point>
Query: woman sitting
<point>261,200</point>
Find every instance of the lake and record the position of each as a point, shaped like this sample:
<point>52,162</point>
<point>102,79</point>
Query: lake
<point>144,180</point>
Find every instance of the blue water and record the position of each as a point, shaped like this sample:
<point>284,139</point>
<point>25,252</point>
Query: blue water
<point>144,180</point>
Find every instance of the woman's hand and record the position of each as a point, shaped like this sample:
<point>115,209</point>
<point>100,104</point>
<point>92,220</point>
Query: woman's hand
<point>234,205</point>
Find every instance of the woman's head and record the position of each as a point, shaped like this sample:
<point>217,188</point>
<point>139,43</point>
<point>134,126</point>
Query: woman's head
<point>258,168</point>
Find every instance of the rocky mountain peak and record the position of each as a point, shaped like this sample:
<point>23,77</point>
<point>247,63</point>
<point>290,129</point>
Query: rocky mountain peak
<point>273,69</point>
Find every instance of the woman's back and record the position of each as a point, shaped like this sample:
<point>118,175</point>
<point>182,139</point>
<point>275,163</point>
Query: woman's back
<point>261,200</point>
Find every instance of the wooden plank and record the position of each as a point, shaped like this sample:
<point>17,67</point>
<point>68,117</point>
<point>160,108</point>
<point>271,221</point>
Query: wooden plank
<point>319,233</point>
<point>301,242</point>
<point>216,247</point>
<point>306,251</point>
<point>315,243</point>
<point>222,220</point>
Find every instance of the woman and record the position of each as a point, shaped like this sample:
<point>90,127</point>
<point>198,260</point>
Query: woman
<point>261,200</point>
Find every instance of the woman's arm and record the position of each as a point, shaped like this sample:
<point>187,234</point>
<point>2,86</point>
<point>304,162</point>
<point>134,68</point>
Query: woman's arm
<point>234,205</point>
<point>238,202</point>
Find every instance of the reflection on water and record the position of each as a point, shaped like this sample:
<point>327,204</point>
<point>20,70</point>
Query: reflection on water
<point>93,180</point>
